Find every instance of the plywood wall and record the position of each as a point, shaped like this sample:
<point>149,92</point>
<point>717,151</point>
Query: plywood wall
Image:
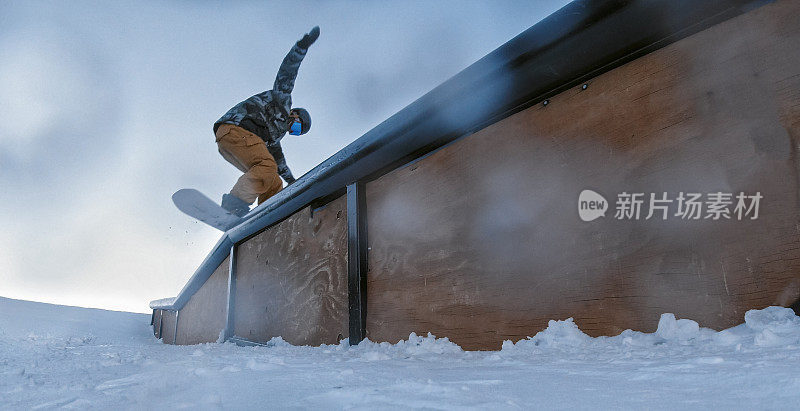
<point>482,242</point>
<point>291,279</point>
<point>168,322</point>
<point>203,317</point>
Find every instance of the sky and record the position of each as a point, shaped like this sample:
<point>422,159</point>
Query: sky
<point>106,109</point>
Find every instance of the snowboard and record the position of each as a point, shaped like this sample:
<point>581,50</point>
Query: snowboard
<point>196,204</point>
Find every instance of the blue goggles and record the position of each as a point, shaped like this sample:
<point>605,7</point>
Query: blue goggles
<point>296,128</point>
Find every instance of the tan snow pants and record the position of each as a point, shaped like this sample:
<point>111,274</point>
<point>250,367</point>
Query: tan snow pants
<point>247,152</point>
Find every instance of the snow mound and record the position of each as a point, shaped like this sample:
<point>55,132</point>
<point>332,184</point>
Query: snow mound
<point>776,319</point>
<point>416,346</point>
<point>681,331</point>
<point>419,345</point>
<point>773,326</point>
<point>769,327</point>
<point>557,334</point>
<point>43,323</point>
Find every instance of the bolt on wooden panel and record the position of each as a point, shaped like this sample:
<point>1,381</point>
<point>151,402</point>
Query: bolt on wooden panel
<point>291,279</point>
<point>484,240</point>
<point>204,315</point>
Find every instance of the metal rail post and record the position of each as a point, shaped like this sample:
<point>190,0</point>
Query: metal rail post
<point>228,334</point>
<point>175,335</point>
<point>357,261</point>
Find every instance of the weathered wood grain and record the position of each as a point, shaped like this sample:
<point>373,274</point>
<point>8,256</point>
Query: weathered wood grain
<point>481,241</point>
<point>204,315</point>
<point>291,279</point>
<point>168,321</point>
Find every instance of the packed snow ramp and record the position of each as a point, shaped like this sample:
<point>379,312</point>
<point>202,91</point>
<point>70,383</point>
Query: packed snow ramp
<point>618,160</point>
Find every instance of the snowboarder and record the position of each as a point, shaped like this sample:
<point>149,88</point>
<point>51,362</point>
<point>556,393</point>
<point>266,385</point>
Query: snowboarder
<point>248,135</point>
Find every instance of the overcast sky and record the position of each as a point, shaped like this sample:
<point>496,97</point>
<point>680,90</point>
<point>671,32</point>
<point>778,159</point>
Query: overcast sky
<point>106,109</point>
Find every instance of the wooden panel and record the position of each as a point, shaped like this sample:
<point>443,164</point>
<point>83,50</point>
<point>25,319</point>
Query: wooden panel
<point>168,318</point>
<point>204,315</point>
<point>291,279</point>
<point>481,241</point>
<point>157,323</point>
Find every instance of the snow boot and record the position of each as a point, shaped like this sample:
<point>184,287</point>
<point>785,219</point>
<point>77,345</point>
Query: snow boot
<point>235,205</point>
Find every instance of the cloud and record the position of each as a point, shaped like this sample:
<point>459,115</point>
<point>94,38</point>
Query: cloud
<point>102,118</point>
<point>46,84</point>
<point>57,110</point>
<point>100,253</point>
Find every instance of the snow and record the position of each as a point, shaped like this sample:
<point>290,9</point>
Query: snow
<point>54,357</point>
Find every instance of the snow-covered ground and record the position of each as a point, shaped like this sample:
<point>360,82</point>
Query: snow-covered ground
<point>66,357</point>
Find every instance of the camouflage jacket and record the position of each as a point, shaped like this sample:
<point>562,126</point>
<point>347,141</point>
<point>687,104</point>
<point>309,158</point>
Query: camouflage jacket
<point>267,114</point>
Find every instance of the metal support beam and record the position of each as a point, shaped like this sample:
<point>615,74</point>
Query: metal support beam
<point>160,324</point>
<point>357,261</point>
<point>247,343</point>
<point>175,335</point>
<point>231,294</point>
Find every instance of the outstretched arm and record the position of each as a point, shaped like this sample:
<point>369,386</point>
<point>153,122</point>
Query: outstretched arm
<point>284,82</point>
<point>280,160</point>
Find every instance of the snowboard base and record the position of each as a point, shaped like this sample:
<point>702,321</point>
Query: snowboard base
<point>195,204</point>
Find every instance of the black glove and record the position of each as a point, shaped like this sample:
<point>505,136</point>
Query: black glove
<point>309,38</point>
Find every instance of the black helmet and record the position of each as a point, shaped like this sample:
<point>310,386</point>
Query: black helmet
<point>305,119</point>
